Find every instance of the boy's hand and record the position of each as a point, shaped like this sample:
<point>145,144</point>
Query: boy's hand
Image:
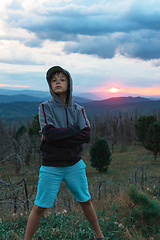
<point>43,138</point>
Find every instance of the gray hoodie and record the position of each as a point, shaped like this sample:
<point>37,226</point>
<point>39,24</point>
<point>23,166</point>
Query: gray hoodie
<point>65,130</point>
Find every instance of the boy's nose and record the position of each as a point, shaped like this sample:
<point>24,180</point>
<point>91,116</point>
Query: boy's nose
<point>58,81</point>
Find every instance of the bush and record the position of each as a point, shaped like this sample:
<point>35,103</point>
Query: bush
<point>100,155</point>
<point>146,210</point>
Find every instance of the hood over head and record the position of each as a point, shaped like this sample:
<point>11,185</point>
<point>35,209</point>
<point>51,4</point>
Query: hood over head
<point>49,74</point>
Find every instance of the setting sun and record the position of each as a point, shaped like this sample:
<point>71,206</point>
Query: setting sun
<point>114,90</point>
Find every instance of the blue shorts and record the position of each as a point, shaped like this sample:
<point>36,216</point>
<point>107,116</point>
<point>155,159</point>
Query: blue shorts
<point>50,179</point>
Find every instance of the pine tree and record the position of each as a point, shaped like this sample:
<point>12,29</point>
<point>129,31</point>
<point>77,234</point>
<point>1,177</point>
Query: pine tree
<point>146,209</point>
<point>20,132</point>
<point>35,126</point>
<point>152,140</point>
<point>142,126</point>
<point>34,134</point>
<point>100,155</point>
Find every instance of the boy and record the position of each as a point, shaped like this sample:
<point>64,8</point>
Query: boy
<point>65,128</point>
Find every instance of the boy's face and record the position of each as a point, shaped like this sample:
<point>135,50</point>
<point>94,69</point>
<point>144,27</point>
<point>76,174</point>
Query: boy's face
<point>59,83</point>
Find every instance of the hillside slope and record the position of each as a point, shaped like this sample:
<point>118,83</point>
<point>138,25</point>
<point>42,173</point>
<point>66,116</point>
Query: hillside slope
<point>130,105</point>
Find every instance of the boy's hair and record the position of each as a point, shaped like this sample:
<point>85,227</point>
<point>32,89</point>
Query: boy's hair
<point>57,73</point>
<point>55,69</point>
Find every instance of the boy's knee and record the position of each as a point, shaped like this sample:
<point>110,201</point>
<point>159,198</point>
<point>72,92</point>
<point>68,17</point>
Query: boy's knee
<point>85,203</point>
<point>38,210</point>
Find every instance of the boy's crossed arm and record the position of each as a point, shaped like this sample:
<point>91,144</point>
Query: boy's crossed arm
<point>66,137</point>
<point>52,133</point>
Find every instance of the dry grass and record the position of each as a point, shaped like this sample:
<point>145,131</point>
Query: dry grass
<point>124,163</point>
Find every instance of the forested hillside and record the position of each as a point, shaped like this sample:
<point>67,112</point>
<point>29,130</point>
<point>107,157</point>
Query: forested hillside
<point>18,109</point>
<point>103,107</point>
<point>116,105</point>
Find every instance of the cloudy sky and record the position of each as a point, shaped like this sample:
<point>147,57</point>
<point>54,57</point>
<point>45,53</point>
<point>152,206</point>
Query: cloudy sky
<point>110,47</point>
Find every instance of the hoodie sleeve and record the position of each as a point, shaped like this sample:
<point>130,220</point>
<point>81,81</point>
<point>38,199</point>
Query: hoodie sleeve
<point>49,130</point>
<point>83,136</point>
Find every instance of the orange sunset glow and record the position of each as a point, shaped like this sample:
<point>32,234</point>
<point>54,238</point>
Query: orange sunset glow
<point>136,90</point>
<point>16,86</point>
<point>143,91</point>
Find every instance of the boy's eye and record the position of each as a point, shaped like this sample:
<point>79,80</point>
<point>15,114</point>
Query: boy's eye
<point>53,80</point>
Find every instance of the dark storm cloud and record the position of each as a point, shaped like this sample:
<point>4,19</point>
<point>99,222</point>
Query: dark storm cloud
<point>134,32</point>
<point>103,47</point>
<point>140,45</point>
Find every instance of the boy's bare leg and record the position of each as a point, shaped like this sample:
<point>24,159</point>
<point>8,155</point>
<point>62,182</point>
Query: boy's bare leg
<point>33,221</point>
<point>91,216</point>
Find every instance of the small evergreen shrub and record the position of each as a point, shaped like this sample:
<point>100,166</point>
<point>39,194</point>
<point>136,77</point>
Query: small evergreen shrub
<point>100,155</point>
<point>146,209</point>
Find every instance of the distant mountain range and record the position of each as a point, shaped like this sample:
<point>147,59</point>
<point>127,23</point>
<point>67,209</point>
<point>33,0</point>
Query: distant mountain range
<point>43,94</point>
<point>32,93</point>
<point>7,96</point>
<point>27,98</point>
<point>25,103</point>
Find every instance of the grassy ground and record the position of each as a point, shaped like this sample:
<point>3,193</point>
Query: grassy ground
<point>109,195</point>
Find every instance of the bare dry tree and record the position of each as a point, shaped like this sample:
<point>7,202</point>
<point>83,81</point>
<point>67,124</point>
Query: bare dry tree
<point>14,195</point>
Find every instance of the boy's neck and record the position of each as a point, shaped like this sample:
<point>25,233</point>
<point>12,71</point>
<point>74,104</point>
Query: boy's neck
<point>63,98</point>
